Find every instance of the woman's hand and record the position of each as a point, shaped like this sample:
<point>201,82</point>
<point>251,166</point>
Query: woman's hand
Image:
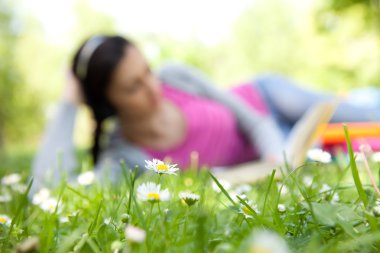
<point>274,158</point>
<point>72,91</point>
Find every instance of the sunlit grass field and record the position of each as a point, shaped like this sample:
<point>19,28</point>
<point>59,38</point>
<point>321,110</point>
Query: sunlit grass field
<point>318,207</point>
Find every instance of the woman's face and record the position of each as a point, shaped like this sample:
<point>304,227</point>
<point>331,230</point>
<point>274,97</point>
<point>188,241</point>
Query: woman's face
<point>134,90</point>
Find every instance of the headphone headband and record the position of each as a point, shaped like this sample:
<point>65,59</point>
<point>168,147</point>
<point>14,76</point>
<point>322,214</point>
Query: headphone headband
<point>85,55</point>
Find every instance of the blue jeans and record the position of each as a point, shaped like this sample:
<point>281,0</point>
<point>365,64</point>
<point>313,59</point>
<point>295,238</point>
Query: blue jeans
<point>287,102</point>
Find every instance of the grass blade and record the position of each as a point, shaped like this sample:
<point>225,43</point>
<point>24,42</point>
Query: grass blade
<point>222,189</point>
<point>354,169</point>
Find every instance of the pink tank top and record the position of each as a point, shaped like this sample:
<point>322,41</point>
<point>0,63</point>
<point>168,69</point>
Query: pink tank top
<point>212,129</point>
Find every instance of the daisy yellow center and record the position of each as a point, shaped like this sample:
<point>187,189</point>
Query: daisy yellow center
<point>258,250</point>
<point>162,167</point>
<point>3,220</point>
<point>246,210</point>
<point>154,196</point>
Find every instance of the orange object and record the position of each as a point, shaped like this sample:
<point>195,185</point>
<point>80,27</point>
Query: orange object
<point>333,133</point>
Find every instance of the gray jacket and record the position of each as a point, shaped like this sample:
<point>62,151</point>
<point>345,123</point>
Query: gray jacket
<point>57,153</point>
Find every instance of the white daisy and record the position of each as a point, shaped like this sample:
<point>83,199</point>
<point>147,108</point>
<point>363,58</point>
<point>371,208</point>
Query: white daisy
<point>283,188</point>
<point>281,208</point>
<point>5,198</point>
<point>41,196</point>
<point>267,241</point>
<point>319,155</point>
<point>235,196</point>
<point>246,211</point>
<point>107,220</point>
<point>376,157</point>
<point>20,188</point>
<point>135,234</point>
<point>325,188</point>
<point>307,180</point>
<point>151,192</point>
<point>116,246</point>
<point>64,219</point>
<point>335,198</point>
<point>86,178</point>
<point>161,167</point>
<point>243,189</point>
<point>50,205</point>
<point>10,179</point>
<point>5,220</point>
<point>189,198</point>
<point>226,185</point>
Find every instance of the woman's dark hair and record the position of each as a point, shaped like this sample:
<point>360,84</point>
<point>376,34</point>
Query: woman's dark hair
<point>98,69</point>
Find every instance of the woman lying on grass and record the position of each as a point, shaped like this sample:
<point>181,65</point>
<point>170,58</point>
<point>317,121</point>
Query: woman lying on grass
<point>174,112</point>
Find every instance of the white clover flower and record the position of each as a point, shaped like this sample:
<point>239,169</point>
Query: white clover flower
<point>64,219</point>
<point>189,198</point>
<point>5,220</point>
<point>41,196</point>
<point>11,179</point>
<point>161,167</point>
<point>376,157</point>
<point>20,188</point>
<point>226,185</point>
<point>151,192</point>
<point>135,234</point>
<point>335,198</point>
<point>116,246</point>
<point>243,189</point>
<point>267,241</point>
<point>307,180</point>
<point>319,155</point>
<point>75,213</point>
<point>281,208</point>
<point>50,205</point>
<point>86,178</point>
<point>284,189</point>
<point>5,198</point>
<point>325,188</point>
<point>107,221</point>
<point>248,214</point>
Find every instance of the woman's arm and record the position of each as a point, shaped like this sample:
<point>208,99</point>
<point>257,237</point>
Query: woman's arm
<point>56,155</point>
<point>248,172</point>
<point>118,150</point>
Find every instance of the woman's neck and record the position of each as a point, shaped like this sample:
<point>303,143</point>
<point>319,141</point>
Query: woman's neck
<point>163,129</point>
<point>149,126</point>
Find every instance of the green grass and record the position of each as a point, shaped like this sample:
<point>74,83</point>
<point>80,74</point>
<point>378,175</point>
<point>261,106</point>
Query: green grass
<point>93,218</point>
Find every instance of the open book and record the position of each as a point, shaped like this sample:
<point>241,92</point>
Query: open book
<point>302,137</point>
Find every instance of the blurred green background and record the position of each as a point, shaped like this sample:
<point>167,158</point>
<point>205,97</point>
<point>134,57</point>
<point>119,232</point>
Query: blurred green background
<point>329,45</point>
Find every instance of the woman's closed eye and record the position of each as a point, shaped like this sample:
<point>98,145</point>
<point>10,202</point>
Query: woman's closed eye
<point>134,87</point>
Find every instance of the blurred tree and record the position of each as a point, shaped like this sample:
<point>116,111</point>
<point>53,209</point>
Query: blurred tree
<point>371,9</point>
<point>274,36</point>
<point>356,23</point>
<point>33,68</point>
<point>17,107</point>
